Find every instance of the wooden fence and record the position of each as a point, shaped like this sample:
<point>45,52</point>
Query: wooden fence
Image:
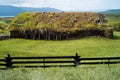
<point>54,61</point>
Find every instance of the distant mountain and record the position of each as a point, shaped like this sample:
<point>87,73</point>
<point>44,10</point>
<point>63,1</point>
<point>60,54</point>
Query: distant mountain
<point>9,10</point>
<point>43,9</point>
<point>112,11</point>
<point>104,11</point>
<point>6,10</point>
<point>95,10</point>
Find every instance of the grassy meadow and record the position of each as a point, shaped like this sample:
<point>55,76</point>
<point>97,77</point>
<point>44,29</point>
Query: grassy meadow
<point>113,18</point>
<point>79,73</point>
<point>85,47</point>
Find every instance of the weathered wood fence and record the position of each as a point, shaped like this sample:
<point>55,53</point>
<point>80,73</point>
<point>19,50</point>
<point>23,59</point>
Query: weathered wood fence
<point>54,61</point>
<point>54,35</point>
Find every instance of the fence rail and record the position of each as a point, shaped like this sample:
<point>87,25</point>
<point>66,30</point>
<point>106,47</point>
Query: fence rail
<point>103,58</point>
<point>54,61</point>
<point>2,59</point>
<point>49,57</point>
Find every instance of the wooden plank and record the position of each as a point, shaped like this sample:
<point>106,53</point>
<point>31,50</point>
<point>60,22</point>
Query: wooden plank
<point>87,63</point>
<point>52,66</point>
<point>104,58</point>
<point>44,66</point>
<point>34,62</point>
<point>49,57</point>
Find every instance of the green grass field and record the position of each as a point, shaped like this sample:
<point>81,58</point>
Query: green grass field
<point>79,73</point>
<point>85,47</point>
<point>111,18</point>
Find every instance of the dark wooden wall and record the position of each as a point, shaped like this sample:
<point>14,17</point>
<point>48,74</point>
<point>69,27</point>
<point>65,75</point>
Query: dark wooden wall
<point>52,35</point>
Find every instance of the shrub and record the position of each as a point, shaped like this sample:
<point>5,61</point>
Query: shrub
<point>108,33</point>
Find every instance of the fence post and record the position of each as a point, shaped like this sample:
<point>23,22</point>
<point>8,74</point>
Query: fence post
<point>108,62</point>
<point>8,61</point>
<point>77,60</point>
<point>44,63</point>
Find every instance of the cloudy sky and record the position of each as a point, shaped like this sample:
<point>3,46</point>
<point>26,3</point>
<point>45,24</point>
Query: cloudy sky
<point>66,4</point>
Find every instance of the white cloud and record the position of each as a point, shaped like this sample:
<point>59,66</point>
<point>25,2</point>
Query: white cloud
<point>62,4</point>
<point>11,2</point>
<point>65,4</point>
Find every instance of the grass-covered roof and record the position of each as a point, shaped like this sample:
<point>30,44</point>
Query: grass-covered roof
<point>63,21</point>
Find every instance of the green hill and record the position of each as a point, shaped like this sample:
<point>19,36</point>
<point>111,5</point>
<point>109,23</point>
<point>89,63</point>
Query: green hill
<point>7,10</point>
<point>112,11</point>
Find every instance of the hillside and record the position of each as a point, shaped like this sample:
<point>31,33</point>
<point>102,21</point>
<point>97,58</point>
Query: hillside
<point>43,9</point>
<point>112,11</point>
<point>10,10</point>
<point>6,10</point>
<point>86,47</point>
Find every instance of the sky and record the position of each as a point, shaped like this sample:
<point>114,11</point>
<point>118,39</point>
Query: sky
<point>66,5</point>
